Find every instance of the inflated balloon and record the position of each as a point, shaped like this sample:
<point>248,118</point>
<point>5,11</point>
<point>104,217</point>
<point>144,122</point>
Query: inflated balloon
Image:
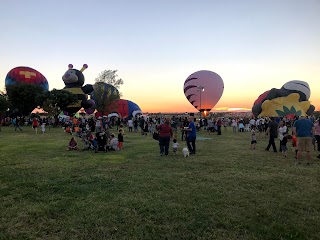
<point>74,79</point>
<point>103,91</point>
<point>88,104</point>
<point>203,89</point>
<point>26,75</point>
<point>90,110</point>
<point>298,87</point>
<point>125,108</point>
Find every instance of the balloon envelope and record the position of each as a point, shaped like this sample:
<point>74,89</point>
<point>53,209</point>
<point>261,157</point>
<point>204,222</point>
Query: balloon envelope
<point>124,108</point>
<point>26,75</point>
<point>102,91</point>
<point>203,89</point>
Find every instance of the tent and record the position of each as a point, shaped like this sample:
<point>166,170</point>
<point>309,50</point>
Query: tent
<point>38,110</point>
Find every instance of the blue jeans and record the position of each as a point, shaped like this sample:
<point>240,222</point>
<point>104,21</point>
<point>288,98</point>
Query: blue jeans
<point>164,143</point>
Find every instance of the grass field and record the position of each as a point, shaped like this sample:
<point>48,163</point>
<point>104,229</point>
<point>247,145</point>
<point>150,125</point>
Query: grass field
<point>225,191</point>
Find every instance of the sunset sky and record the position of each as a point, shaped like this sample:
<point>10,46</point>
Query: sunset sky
<point>254,45</point>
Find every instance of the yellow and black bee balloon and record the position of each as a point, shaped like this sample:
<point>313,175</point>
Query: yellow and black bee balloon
<point>74,80</point>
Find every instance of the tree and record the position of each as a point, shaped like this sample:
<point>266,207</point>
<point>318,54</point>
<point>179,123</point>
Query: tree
<point>106,90</point>
<point>103,96</point>
<point>23,97</point>
<point>4,104</point>
<point>55,100</point>
<point>110,77</point>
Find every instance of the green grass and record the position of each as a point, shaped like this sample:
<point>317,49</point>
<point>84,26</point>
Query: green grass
<point>225,191</point>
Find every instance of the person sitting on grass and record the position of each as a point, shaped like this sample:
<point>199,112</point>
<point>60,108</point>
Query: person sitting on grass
<point>113,143</point>
<point>73,144</point>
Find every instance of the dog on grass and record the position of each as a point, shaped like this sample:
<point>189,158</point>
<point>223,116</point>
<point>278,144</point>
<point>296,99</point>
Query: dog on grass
<point>185,152</point>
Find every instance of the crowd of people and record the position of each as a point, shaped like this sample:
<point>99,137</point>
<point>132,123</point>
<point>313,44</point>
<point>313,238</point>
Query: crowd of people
<point>303,133</point>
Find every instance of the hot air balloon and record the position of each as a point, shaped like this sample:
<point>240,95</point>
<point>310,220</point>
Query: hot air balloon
<point>26,75</point>
<point>103,91</point>
<point>203,89</point>
<point>74,80</point>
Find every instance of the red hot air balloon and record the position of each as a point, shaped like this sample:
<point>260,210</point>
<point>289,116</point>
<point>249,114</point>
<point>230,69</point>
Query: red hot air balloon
<point>203,89</point>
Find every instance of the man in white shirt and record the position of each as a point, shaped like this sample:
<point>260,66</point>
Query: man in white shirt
<point>130,125</point>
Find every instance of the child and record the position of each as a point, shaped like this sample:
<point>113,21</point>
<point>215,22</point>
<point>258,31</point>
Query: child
<point>253,137</point>
<point>146,129</point>
<point>284,145</point>
<point>294,144</point>
<point>43,127</point>
<point>73,144</point>
<point>120,139</point>
<point>35,124</point>
<point>175,146</point>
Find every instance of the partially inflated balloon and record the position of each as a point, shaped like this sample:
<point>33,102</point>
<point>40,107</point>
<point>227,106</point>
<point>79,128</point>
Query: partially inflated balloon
<point>125,108</point>
<point>289,105</point>
<point>203,89</point>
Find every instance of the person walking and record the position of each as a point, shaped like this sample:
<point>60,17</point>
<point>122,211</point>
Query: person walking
<point>15,122</point>
<point>304,130</point>
<point>272,130</point>
<point>35,124</point>
<point>165,133</point>
<point>191,136</point>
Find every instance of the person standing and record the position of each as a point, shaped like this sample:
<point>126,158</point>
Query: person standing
<point>43,127</point>
<point>35,125</point>
<point>317,134</point>
<point>282,130</point>
<point>15,122</point>
<point>165,132</point>
<point>120,139</point>
<point>304,130</point>
<point>185,124</point>
<point>130,124</point>
<point>191,136</point>
<point>272,130</point>
<point>219,123</point>
<point>174,124</point>
<point>234,125</point>
<point>135,124</point>
<point>98,125</point>
<point>141,124</point>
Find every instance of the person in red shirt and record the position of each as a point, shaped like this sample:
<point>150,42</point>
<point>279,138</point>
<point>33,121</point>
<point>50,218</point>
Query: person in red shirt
<point>73,144</point>
<point>35,125</point>
<point>165,133</point>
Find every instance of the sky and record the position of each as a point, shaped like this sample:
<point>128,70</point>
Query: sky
<point>155,45</point>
